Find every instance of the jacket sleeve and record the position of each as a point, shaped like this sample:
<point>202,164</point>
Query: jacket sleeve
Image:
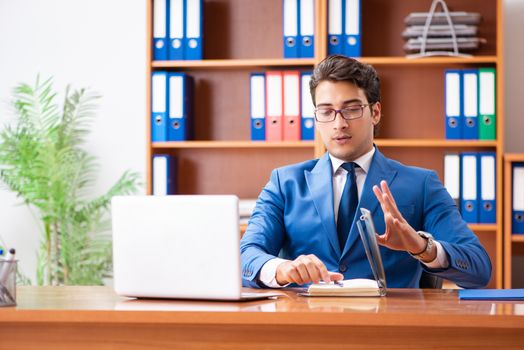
<point>264,236</point>
<point>469,264</point>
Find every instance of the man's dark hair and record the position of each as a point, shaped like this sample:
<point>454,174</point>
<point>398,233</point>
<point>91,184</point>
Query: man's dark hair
<point>341,68</point>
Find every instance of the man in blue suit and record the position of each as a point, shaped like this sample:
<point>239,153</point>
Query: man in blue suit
<point>298,232</point>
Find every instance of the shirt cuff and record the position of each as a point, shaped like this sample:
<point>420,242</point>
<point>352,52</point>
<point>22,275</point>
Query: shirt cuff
<point>268,273</point>
<point>441,260</point>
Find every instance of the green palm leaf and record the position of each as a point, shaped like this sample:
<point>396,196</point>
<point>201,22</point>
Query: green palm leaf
<point>43,162</point>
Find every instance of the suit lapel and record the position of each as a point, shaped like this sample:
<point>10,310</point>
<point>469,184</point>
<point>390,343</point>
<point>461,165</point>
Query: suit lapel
<point>319,182</point>
<point>378,171</point>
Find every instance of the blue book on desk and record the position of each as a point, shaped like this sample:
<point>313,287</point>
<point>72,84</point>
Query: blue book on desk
<point>491,294</point>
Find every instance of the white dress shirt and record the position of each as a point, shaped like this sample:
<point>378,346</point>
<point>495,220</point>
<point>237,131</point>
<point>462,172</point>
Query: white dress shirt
<point>268,271</point>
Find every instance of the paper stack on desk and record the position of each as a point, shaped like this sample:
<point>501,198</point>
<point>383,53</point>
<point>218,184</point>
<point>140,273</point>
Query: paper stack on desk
<point>358,287</point>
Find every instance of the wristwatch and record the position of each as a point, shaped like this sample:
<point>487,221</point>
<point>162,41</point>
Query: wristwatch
<point>423,255</point>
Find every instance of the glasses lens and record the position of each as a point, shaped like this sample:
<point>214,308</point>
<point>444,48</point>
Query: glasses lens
<point>352,112</point>
<point>324,114</point>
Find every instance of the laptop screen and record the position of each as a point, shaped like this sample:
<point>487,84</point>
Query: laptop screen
<point>182,246</point>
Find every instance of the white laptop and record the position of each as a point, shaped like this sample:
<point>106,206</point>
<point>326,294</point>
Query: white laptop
<point>182,246</point>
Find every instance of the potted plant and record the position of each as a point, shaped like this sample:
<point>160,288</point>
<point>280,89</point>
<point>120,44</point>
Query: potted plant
<point>43,162</point>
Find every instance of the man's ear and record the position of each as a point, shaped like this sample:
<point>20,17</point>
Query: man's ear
<point>376,112</point>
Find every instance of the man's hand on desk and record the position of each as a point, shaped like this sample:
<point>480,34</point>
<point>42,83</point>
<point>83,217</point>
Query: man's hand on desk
<point>305,269</point>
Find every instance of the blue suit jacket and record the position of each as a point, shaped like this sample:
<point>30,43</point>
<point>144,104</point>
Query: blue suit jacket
<point>294,215</point>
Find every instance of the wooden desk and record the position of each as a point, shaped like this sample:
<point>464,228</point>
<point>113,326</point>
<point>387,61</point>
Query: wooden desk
<point>95,318</point>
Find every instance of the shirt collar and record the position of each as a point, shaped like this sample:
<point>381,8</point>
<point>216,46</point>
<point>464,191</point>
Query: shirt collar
<point>364,161</point>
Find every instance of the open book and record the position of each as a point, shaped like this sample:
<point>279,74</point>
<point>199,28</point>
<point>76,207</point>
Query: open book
<point>358,287</point>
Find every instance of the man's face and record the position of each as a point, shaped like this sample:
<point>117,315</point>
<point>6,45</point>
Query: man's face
<point>346,139</point>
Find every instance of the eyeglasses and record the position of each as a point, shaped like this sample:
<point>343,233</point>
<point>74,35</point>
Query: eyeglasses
<point>326,115</point>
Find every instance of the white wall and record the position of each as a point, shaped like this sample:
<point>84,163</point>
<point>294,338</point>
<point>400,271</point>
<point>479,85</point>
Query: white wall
<point>514,79</point>
<point>514,93</point>
<point>97,43</point>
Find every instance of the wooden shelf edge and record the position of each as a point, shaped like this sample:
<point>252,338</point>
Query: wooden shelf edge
<point>233,144</point>
<point>433,143</point>
<point>235,63</point>
<point>429,60</point>
<point>514,157</point>
<point>483,227</point>
<point>517,238</point>
<point>310,144</point>
<point>269,62</point>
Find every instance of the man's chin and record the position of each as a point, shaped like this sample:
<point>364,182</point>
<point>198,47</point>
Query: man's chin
<point>347,154</point>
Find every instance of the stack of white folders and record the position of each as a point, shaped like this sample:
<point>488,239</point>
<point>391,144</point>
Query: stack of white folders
<point>358,287</point>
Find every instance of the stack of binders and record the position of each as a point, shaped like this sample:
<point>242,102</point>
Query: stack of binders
<point>470,178</point>
<point>517,210</point>
<point>171,107</point>
<point>344,28</point>
<point>470,96</point>
<point>164,174</point>
<point>439,32</point>
<point>245,209</point>
<point>281,108</point>
<point>177,30</point>
<point>298,28</point>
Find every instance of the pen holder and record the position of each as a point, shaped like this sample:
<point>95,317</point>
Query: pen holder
<point>8,282</point>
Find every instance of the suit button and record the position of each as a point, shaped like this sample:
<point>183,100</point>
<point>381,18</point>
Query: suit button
<point>342,268</point>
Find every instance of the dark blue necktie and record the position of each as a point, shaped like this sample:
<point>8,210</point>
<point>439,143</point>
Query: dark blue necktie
<point>348,205</point>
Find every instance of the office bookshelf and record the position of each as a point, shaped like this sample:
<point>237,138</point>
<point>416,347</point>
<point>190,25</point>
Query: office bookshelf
<point>243,36</point>
<point>513,243</point>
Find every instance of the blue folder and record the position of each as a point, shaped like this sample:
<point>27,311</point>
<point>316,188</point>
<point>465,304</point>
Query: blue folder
<point>470,127</point>
<point>307,108</point>
<point>469,187</point>
<point>160,29</point>
<point>453,100</point>
<point>352,28</point>
<point>487,187</point>
<point>164,174</point>
<point>335,27</point>
<point>159,106</point>
<point>194,18</point>
<point>180,106</point>
<point>517,208</point>
<point>258,106</point>
<point>306,37</point>
<point>176,21</point>
<point>290,25</point>
<point>491,294</point>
